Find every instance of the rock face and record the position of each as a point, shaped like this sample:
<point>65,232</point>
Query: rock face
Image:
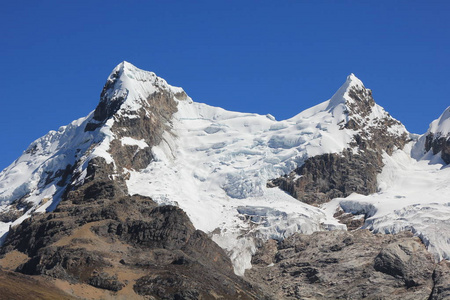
<point>324,177</point>
<point>437,138</point>
<point>125,245</point>
<point>344,265</point>
<point>438,145</point>
<point>441,277</point>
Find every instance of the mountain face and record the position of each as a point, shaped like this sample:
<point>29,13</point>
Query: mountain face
<point>154,195</point>
<point>437,137</point>
<point>355,169</point>
<point>52,165</point>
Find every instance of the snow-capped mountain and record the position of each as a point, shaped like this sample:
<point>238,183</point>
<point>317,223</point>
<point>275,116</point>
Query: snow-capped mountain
<point>221,167</point>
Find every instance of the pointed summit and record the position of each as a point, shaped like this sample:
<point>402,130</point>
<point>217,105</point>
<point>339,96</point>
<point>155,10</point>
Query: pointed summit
<point>129,87</point>
<point>441,126</point>
<point>353,80</point>
<point>124,65</point>
<point>342,96</point>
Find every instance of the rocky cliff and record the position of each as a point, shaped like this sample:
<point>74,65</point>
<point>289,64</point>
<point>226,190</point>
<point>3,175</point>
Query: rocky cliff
<point>349,265</point>
<point>437,138</point>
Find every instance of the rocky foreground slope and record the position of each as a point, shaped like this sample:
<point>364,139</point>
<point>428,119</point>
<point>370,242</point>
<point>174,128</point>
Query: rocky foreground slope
<point>101,243</point>
<point>155,196</point>
<point>350,265</point>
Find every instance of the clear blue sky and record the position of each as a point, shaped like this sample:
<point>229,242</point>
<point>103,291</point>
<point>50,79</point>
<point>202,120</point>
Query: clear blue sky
<point>277,57</point>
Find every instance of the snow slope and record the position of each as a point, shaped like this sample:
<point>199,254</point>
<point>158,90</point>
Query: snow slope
<point>35,175</point>
<point>413,195</point>
<point>441,126</point>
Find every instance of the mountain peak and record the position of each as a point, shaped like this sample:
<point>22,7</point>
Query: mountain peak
<point>125,65</point>
<point>352,80</point>
<point>131,86</point>
<point>441,126</point>
<point>125,74</point>
<point>341,97</point>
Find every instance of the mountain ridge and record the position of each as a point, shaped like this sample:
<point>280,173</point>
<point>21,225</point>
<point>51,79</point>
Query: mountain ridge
<point>143,129</point>
<point>153,185</point>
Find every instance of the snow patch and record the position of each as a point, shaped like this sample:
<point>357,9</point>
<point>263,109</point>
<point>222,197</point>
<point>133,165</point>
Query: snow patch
<point>132,142</point>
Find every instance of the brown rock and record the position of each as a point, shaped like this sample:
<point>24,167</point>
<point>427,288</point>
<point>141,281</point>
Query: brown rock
<point>350,265</point>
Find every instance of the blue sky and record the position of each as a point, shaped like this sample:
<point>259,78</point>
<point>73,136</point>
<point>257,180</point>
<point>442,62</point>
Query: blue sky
<point>277,57</point>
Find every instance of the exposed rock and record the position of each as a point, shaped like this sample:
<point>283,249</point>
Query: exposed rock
<point>192,283</point>
<point>167,287</point>
<point>71,264</point>
<point>101,237</point>
<point>97,170</point>
<point>105,281</point>
<point>147,125</point>
<point>37,232</point>
<point>11,214</point>
<point>17,209</point>
<point>350,265</point>
<point>324,177</point>
<point>266,253</point>
<point>404,260</point>
<point>107,107</point>
<point>438,144</point>
<point>437,137</point>
<point>441,276</point>
<point>352,221</point>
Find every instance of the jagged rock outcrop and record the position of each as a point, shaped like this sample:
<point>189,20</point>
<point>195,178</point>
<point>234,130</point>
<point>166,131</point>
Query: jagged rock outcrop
<point>147,125</point>
<point>438,144</point>
<point>327,176</point>
<point>441,277</point>
<point>324,177</point>
<point>344,265</point>
<point>437,138</point>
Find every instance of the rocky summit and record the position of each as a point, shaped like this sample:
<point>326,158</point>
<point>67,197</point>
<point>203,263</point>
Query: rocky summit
<point>155,196</point>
